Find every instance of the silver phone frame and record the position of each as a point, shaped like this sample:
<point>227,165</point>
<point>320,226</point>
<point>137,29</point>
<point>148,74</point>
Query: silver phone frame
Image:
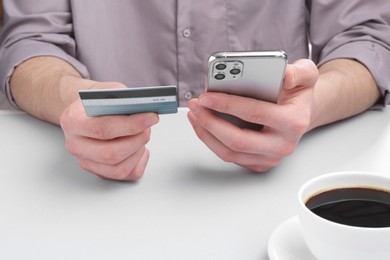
<point>262,76</point>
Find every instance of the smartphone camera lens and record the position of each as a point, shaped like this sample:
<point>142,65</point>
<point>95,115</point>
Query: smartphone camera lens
<point>220,66</point>
<point>235,71</point>
<point>219,76</point>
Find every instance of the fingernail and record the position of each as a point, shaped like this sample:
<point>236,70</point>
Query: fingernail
<point>192,118</point>
<point>206,101</point>
<point>151,120</point>
<point>193,106</point>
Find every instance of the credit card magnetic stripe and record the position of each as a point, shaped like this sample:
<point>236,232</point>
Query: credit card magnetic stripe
<point>129,92</point>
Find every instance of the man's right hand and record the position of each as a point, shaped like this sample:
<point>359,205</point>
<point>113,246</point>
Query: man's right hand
<point>112,147</point>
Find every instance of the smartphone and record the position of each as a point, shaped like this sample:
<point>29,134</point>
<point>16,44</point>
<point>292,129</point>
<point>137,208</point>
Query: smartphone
<point>254,74</point>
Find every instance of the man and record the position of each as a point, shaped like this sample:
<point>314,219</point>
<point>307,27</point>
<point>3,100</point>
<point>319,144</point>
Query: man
<point>52,49</point>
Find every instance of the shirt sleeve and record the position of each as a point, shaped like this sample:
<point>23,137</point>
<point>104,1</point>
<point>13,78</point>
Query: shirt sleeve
<point>355,29</point>
<point>42,28</point>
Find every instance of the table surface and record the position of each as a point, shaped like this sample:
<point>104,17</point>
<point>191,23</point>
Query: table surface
<point>189,204</point>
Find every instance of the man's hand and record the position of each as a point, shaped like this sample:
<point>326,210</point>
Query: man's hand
<point>112,147</point>
<point>284,123</point>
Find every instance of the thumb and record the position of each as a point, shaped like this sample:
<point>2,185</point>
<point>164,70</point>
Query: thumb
<point>302,73</point>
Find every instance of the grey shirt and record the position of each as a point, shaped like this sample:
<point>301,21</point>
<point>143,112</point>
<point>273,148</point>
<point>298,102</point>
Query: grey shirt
<point>155,42</point>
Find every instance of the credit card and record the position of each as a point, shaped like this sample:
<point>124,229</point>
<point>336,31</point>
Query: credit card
<point>127,101</point>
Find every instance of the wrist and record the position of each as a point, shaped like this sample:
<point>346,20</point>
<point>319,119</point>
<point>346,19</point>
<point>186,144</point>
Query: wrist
<point>69,87</point>
<point>44,86</point>
<point>344,88</point>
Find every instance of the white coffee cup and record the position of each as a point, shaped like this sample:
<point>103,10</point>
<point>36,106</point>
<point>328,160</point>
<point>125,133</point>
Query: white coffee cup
<point>333,241</point>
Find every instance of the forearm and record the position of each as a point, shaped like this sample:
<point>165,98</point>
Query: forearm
<point>44,86</point>
<point>344,88</point>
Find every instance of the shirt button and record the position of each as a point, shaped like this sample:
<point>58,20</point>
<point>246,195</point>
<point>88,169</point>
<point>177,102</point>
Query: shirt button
<point>186,33</point>
<point>188,95</point>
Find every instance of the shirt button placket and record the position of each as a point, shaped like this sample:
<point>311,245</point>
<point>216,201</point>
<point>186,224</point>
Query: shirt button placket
<point>186,33</point>
<point>185,51</point>
<point>188,95</point>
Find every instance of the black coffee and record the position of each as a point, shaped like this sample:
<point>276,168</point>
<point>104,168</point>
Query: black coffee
<point>361,207</point>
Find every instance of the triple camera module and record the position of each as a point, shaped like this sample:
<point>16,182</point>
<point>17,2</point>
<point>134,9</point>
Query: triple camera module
<point>227,70</point>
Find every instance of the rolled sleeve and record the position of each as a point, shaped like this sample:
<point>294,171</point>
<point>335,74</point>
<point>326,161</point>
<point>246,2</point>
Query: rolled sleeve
<point>44,30</point>
<point>376,59</point>
<point>358,30</point>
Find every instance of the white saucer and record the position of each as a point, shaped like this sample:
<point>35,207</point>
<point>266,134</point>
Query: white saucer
<point>286,242</point>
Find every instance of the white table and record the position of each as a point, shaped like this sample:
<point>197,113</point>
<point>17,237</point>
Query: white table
<point>189,204</point>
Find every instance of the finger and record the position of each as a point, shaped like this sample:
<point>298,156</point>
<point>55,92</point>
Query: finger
<point>107,151</point>
<point>75,122</point>
<point>260,166</point>
<point>237,139</point>
<point>302,73</point>
<point>248,109</point>
<point>256,162</point>
<point>139,169</point>
<point>130,169</point>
